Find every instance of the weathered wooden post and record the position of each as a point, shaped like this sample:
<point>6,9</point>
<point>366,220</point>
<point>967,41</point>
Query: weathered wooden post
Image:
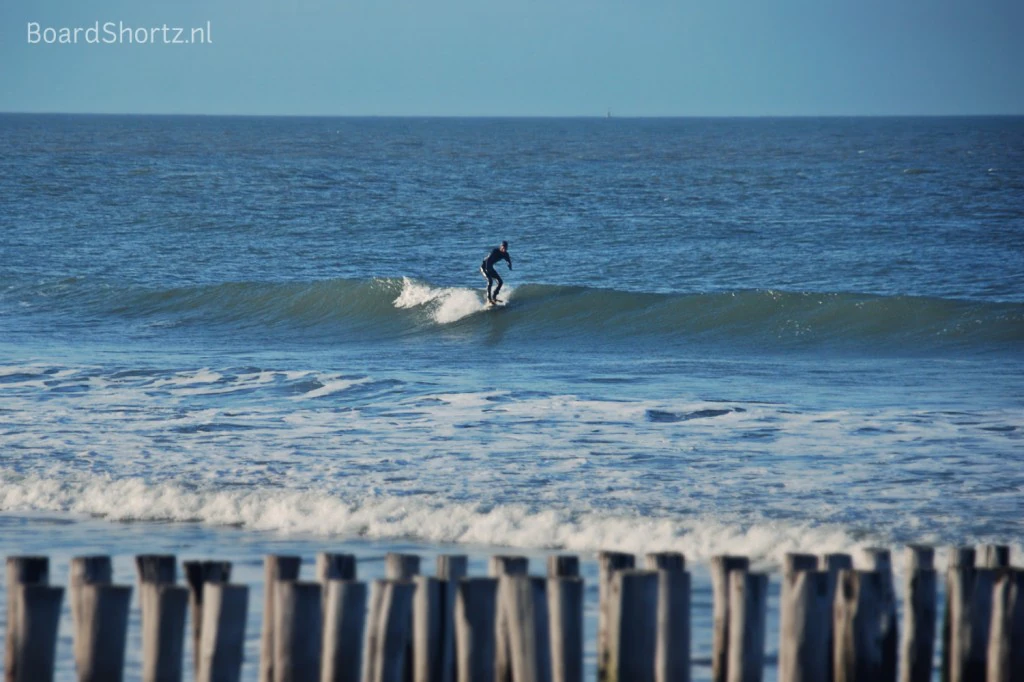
<point>859,634</point>
<point>388,631</point>
<point>1006,640</point>
<point>792,563</point>
<point>721,567</point>
<point>297,631</point>
<point>563,566</point>
<point>632,619</point>
<point>806,625</point>
<point>879,560</point>
<point>748,603</point>
<point>161,569</point>
<point>960,558</point>
<point>21,571</point>
<point>970,617</point>
<point>919,615</point>
<point>450,569</point>
<point>221,648</point>
<point>197,575</point>
<point>672,636</point>
<point>608,564</point>
<point>994,556</point>
<point>398,566</point>
<point>833,563</point>
<point>475,615</point>
<point>102,630</point>
<point>333,567</point>
<point>565,611</point>
<point>344,626</point>
<point>665,561</point>
<point>163,608</point>
<point>85,570</point>
<point>276,568</point>
<point>526,612</point>
<point>427,615</point>
<point>32,635</point>
<point>498,567</point>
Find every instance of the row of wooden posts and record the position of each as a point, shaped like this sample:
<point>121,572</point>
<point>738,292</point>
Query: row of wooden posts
<point>837,624</point>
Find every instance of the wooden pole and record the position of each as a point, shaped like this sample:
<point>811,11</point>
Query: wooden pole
<point>387,641</point>
<point>427,646</point>
<point>526,611</point>
<point>632,620</point>
<point>563,566</point>
<point>793,563</point>
<point>665,561</point>
<point>498,567</point>
<point>919,615</point>
<point>859,617</point>
<point>475,611</point>
<point>832,564</point>
<point>994,556</point>
<point>970,614</point>
<point>85,570</point>
<point>334,567</point>
<point>721,567</point>
<point>399,566</point>
<point>806,625</point>
<point>960,558</point>
<point>450,569</point>
<point>608,563</point>
<point>32,635</point>
<point>565,610</point>
<point>879,560</point>
<point>344,625</point>
<point>1006,641</point>
<point>748,604</point>
<point>275,569</point>
<point>221,648</point>
<point>297,631</point>
<point>21,570</point>
<point>157,568</point>
<point>672,635</point>
<point>197,575</point>
<point>102,630</point>
<point>163,608</point>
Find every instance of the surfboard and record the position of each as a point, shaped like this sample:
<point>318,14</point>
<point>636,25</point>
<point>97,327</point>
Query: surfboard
<point>498,304</point>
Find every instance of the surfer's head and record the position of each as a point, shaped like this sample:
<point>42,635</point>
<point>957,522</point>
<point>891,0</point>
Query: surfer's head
<point>504,246</point>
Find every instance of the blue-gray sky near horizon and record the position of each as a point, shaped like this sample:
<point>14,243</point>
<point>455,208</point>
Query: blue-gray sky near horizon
<point>522,57</point>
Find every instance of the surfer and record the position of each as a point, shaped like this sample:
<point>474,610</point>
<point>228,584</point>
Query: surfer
<point>490,274</point>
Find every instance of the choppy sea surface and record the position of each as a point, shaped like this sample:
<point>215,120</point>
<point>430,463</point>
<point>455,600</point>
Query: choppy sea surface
<point>226,336</point>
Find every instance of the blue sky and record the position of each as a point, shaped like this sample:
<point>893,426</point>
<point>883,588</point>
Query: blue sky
<point>523,58</point>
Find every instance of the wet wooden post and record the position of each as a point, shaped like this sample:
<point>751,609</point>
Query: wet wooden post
<point>161,569</point>
<point>222,646</point>
<point>398,566</point>
<point>665,561</point>
<point>748,603</point>
<point>198,574</point>
<point>32,635</point>
<point>565,610</point>
<point>721,567</point>
<point>388,631</point>
<point>919,615</point>
<point>632,619</point>
<point>102,631</point>
<point>806,624</point>
<point>563,566</point>
<point>859,620</point>
<point>85,570</point>
<point>276,568</point>
<point>498,567</point>
<point>334,567</point>
<point>672,635</point>
<point>1006,640</point>
<point>608,563</point>
<point>526,611</point>
<point>970,617</point>
<point>450,569</point>
<point>21,571</point>
<point>427,614</point>
<point>344,626</point>
<point>879,560</point>
<point>475,615</point>
<point>792,563</point>
<point>994,556</point>
<point>163,608</point>
<point>832,563</point>
<point>297,631</point>
<point>960,558</point>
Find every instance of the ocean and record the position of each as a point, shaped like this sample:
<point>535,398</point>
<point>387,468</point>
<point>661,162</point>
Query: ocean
<point>222,337</point>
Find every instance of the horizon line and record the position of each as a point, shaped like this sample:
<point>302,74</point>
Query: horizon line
<point>513,116</point>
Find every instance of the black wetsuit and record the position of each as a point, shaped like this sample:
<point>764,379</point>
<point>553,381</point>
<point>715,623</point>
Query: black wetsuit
<point>490,274</point>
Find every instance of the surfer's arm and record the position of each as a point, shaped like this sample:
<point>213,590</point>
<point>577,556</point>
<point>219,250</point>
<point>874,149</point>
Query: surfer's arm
<point>509,259</point>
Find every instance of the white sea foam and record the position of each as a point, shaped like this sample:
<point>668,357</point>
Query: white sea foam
<point>445,304</point>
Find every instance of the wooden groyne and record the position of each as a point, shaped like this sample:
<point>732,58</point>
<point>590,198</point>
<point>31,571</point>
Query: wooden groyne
<point>838,620</point>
